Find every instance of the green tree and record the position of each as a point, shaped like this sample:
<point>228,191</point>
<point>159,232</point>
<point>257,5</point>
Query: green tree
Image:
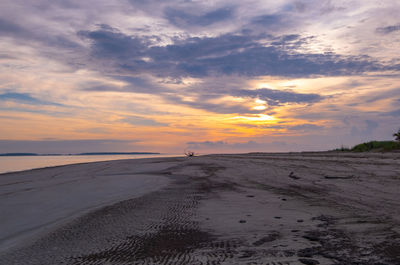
<point>397,136</point>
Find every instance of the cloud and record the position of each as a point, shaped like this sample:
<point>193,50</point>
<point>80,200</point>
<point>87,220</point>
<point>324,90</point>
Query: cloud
<point>227,108</point>
<point>208,95</point>
<point>288,39</point>
<point>201,99</point>
<point>6,56</point>
<point>134,84</point>
<point>277,97</point>
<point>141,121</point>
<point>249,146</point>
<point>271,22</point>
<point>108,42</point>
<point>37,34</point>
<point>228,54</point>
<point>10,28</point>
<point>366,130</point>
<point>392,93</point>
<point>371,125</point>
<point>267,20</point>
<point>395,113</point>
<point>306,127</point>
<point>140,84</point>
<point>388,29</point>
<point>182,18</point>
<point>25,98</point>
<point>206,144</point>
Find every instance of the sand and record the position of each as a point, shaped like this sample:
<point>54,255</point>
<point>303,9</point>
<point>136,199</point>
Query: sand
<point>300,208</point>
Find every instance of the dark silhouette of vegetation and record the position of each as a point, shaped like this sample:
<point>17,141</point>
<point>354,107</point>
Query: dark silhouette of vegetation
<point>379,146</point>
<point>397,136</point>
<point>376,146</point>
<point>19,154</point>
<point>343,149</point>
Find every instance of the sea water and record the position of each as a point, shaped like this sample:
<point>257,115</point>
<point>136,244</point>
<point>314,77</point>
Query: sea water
<point>19,163</point>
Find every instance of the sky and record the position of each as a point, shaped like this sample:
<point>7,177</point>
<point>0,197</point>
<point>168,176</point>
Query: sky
<point>208,76</point>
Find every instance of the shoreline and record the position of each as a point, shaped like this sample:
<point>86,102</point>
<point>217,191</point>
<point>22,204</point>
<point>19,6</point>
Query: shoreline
<point>40,200</point>
<point>308,153</point>
<point>298,208</point>
<point>11,164</point>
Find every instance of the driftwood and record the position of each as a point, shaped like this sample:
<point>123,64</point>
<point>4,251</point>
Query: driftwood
<point>189,153</point>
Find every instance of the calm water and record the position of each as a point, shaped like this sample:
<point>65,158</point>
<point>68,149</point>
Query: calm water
<point>18,163</point>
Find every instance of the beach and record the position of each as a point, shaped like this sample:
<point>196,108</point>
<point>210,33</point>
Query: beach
<point>257,208</point>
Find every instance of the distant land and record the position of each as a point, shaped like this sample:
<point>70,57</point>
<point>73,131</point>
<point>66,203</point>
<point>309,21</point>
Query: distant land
<point>81,154</point>
<point>118,153</point>
<point>19,154</point>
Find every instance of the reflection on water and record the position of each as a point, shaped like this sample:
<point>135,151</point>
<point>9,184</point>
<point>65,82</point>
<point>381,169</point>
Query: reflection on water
<point>18,163</point>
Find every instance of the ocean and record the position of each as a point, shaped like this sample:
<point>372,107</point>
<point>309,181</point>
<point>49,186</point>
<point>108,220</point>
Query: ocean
<point>19,163</point>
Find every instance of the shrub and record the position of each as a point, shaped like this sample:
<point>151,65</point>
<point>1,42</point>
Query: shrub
<point>376,145</point>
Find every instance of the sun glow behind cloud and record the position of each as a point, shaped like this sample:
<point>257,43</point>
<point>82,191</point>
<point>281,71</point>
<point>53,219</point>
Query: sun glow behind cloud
<point>258,118</point>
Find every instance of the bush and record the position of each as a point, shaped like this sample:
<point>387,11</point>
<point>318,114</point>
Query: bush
<point>376,145</point>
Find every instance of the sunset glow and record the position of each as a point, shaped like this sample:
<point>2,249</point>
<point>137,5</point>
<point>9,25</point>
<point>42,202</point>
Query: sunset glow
<point>212,76</point>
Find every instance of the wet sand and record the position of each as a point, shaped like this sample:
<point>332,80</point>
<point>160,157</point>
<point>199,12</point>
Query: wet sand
<point>308,208</point>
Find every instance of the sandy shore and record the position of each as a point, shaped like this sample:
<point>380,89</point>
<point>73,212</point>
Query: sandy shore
<point>310,208</point>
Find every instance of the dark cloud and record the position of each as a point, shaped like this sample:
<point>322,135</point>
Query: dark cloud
<point>279,22</point>
<point>388,29</point>
<point>25,98</point>
<point>202,99</point>
<point>229,54</point>
<point>269,20</point>
<point>288,39</point>
<point>151,3</point>
<point>321,7</point>
<point>395,113</point>
<point>109,42</point>
<point>204,95</point>
<point>182,18</point>
<point>10,28</point>
<point>277,97</point>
